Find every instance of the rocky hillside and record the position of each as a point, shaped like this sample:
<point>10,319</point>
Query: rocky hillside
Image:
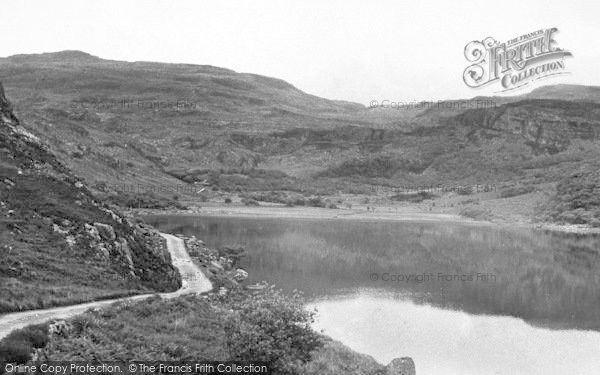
<point>58,243</point>
<point>175,129</point>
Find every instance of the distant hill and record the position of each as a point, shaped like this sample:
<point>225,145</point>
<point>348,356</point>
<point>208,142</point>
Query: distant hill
<point>58,243</point>
<point>187,127</point>
<point>567,92</point>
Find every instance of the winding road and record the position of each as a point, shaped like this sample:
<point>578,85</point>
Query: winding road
<point>193,281</point>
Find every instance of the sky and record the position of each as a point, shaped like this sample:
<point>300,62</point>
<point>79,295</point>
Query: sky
<point>349,50</point>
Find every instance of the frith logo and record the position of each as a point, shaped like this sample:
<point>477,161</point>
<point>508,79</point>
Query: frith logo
<point>516,62</point>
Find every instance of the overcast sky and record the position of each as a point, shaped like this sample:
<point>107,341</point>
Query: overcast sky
<point>351,50</point>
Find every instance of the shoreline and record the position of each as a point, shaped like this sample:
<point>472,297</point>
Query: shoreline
<point>405,215</point>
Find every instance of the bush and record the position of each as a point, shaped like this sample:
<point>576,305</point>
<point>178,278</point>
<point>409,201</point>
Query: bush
<point>516,191</point>
<point>249,202</point>
<point>143,200</point>
<point>227,200</point>
<point>273,328</point>
<point>316,202</point>
<point>300,202</point>
<point>577,200</point>
<point>18,346</point>
<point>414,197</point>
<point>477,213</point>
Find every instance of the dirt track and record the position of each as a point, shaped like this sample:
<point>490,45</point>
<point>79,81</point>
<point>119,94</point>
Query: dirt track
<point>194,281</point>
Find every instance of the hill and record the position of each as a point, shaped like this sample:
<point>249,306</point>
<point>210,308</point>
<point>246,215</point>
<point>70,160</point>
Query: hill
<point>180,130</point>
<point>59,244</point>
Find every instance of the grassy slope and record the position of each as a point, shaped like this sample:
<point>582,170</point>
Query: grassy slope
<point>182,329</point>
<point>48,256</point>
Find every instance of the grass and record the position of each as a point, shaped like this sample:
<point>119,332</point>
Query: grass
<point>194,328</point>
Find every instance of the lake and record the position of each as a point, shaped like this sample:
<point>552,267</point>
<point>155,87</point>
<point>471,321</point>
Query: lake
<point>457,298</point>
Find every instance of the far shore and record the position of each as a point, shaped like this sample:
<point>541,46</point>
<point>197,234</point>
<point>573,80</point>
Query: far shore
<point>405,213</point>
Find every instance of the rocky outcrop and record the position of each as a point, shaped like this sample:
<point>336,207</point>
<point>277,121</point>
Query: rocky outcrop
<point>400,366</point>
<point>546,126</point>
<point>105,231</point>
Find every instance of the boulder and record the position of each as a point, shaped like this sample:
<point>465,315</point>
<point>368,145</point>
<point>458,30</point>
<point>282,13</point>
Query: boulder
<point>70,241</point>
<point>58,229</point>
<point>240,275</point>
<point>103,251</point>
<point>400,366</point>
<point>122,247</point>
<point>216,266</point>
<point>93,232</point>
<point>106,231</point>
<point>59,328</point>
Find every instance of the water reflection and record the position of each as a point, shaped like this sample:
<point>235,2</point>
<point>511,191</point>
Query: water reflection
<point>547,279</point>
<point>453,342</point>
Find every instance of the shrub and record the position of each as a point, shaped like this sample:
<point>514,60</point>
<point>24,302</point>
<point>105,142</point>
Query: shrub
<point>516,191</point>
<point>227,200</point>
<point>18,346</point>
<point>414,197</point>
<point>271,327</point>
<point>577,200</point>
<point>477,213</point>
<point>300,202</point>
<point>249,202</point>
<point>316,202</point>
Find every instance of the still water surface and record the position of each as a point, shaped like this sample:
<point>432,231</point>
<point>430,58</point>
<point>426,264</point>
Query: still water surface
<point>458,298</point>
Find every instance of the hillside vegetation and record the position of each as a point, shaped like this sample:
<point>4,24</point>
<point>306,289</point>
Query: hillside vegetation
<point>58,243</point>
<point>577,200</point>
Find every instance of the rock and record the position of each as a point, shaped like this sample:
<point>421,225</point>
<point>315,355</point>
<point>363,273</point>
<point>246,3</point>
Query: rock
<point>58,327</point>
<point>13,272</point>
<point>400,366</point>
<point>58,229</point>
<point>78,185</point>
<point>70,241</point>
<point>9,183</point>
<point>240,275</point>
<point>260,286</point>
<point>114,216</point>
<point>103,251</point>
<point>122,247</point>
<point>216,265</point>
<point>92,231</point>
<point>106,231</point>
